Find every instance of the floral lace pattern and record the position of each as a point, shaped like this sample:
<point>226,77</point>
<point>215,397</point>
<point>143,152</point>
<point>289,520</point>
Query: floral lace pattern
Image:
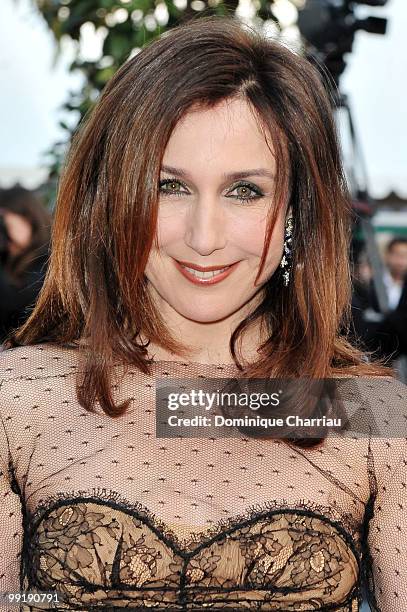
<point>291,559</point>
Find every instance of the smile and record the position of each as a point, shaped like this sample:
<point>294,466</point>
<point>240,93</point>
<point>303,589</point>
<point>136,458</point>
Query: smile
<point>205,277</point>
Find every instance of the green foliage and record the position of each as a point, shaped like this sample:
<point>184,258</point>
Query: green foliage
<point>127,25</point>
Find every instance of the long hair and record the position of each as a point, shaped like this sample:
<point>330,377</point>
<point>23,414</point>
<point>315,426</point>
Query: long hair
<point>95,294</point>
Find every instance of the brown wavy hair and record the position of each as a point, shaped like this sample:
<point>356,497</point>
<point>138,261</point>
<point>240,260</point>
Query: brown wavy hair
<point>95,295</point>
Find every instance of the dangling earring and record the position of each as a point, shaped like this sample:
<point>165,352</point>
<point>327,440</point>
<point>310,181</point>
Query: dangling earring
<point>286,259</point>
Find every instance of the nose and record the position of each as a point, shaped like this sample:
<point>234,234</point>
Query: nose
<point>205,230</point>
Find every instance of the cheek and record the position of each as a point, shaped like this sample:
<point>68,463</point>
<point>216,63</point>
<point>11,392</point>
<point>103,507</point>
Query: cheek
<point>250,237</point>
<point>247,234</point>
<point>169,229</point>
<point>253,239</point>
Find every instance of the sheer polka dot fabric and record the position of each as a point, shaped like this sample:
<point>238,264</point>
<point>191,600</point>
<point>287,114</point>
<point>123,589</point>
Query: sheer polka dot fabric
<point>109,516</point>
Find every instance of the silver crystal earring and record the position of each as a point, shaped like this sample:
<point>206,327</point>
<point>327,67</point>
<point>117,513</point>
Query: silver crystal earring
<point>285,262</point>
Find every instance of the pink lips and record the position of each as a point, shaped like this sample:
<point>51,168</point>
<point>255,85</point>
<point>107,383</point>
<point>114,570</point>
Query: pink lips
<point>204,281</point>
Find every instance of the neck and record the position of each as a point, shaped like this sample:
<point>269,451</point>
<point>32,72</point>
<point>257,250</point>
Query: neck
<point>209,342</point>
<point>397,277</point>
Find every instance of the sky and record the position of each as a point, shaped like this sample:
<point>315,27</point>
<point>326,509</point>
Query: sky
<point>33,87</point>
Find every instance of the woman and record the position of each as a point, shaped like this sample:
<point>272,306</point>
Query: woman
<point>211,148</point>
<point>24,237</point>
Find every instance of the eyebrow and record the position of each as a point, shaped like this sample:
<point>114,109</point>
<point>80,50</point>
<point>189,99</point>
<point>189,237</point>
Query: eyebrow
<point>227,176</point>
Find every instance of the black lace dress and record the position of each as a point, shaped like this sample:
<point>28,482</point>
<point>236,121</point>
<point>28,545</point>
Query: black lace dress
<point>109,516</point>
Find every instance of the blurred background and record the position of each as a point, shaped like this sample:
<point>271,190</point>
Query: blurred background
<point>56,56</point>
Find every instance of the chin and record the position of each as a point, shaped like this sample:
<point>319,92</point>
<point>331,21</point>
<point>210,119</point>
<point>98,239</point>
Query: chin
<point>205,315</point>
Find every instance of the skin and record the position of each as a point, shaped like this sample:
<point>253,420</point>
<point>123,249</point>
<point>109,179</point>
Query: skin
<point>19,230</point>
<point>396,260</point>
<point>208,225</point>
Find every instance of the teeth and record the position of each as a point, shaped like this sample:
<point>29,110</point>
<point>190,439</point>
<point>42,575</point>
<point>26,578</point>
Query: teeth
<point>205,275</point>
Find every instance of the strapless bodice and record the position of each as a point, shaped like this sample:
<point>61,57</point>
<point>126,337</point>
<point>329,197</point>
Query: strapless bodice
<point>105,553</point>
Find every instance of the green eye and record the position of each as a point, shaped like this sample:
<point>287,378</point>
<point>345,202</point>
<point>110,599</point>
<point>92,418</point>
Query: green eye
<point>245,189</point>
<point>173,187</point>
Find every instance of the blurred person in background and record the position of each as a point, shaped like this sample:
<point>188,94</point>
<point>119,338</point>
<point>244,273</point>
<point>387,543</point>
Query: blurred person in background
<point>24,242</point>
<point>395,276</point>
<point>384,333</point>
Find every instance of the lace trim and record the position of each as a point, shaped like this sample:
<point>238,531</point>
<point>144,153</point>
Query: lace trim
<point>343,523</point>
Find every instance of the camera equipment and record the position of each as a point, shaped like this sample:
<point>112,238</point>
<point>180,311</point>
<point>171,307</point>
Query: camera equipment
<point>328,28</point>
<point>363,210</point>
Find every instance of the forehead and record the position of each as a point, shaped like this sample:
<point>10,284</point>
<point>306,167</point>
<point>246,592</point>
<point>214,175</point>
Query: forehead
<point>399,247</point>
<point>228,133</point>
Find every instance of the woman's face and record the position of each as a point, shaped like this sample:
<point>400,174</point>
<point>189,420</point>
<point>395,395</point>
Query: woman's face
<point>213,158</point>
<point>19,230</point>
